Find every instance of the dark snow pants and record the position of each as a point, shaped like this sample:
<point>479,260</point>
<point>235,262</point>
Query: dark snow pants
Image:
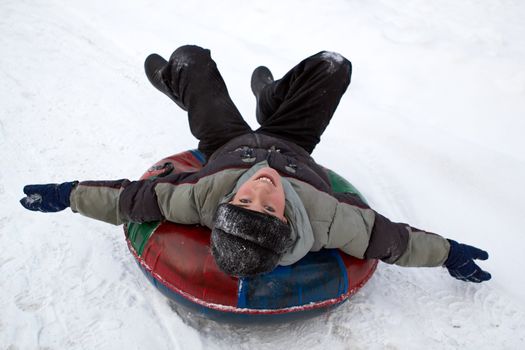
<point>297,107</point>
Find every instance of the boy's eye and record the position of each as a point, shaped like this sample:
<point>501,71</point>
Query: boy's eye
<point>270,209</point>
<point>244,200</point>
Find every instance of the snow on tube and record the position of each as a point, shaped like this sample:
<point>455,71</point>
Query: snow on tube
<point>177,260</point>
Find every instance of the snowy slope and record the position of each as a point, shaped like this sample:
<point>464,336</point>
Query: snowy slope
<point>430,131</point>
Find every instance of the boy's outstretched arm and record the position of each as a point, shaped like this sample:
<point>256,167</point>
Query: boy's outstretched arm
<point>404,245</point>
<point>115,202</point>
<point>458,258</point>
<point>172,197</point>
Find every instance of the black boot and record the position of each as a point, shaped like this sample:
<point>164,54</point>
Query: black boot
<point>158,72</point>
<point>261,77</point>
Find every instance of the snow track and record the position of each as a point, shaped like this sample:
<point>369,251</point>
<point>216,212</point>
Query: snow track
<point>431,131</point>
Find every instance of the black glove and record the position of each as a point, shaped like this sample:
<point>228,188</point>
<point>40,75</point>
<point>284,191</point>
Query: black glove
<point>460,262</point>
<point>47,198</point>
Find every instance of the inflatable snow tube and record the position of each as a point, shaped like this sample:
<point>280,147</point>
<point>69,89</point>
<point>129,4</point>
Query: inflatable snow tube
<point>177,260</point>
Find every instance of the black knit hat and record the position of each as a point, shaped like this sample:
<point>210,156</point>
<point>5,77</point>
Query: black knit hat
<point>246,242</point>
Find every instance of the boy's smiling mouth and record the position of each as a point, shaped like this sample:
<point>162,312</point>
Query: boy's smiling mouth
<point>265,179</point>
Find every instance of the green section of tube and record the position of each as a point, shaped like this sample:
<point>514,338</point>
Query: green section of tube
<point>341,185</point>
<point>138,234</point>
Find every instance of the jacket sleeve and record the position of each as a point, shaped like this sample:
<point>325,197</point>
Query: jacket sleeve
<point>399,243</point>
<point>121,201</point>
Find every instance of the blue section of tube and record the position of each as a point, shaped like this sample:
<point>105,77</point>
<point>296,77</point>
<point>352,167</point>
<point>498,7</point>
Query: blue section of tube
<point>199,156</point>
<point>317,277</point>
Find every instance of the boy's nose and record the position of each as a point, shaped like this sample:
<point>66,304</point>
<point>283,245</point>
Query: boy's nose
<point>261,193</point>
<point>257,200</point>
<point>263,188</point>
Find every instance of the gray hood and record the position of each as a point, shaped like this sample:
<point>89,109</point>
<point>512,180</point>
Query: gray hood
<point>294,212</point>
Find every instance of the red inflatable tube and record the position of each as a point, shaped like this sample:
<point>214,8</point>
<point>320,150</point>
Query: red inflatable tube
<point>177,260</point>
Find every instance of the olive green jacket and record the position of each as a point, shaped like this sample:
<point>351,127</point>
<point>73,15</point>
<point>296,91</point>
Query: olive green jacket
<point>319,217</point>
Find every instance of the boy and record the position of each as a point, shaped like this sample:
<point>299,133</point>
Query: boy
<point>265,199</point>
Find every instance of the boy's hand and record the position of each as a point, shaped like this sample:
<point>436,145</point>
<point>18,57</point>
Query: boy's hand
<point>461,265</point>
<point>47,198</point>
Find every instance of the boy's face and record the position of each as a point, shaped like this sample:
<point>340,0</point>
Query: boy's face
<point>263,192</point>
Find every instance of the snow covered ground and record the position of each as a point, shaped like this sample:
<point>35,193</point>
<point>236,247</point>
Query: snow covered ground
<point>431,131</point>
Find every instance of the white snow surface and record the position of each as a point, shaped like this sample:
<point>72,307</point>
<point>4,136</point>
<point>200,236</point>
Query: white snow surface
<point>431,130</point>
